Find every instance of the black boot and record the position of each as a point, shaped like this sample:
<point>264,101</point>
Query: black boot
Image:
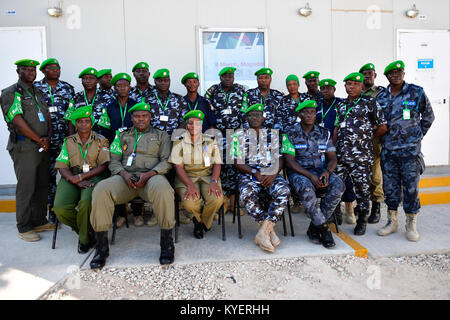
<point>313,234</point>
<point>198,228</point>
<point>338,214</point>
<point>83,248</point>
<point>101,250</point>
<point>167,247</point>
<point>361,223</point>
<point>375,213</point>
<point>326,236</point>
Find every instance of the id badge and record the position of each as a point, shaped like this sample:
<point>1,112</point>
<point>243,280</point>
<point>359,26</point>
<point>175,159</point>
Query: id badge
<point>207,161</point>
<point>406,114</point>
<point>53,109</point>
<point>130,161</point>
<point>85,168</point>
<point>342,124</point>
<point>227,111</point>
<point>122,129</point>
<point>322,157</point>
<point>41,116</point>
<point>164,118</point>
<point>322,124</point>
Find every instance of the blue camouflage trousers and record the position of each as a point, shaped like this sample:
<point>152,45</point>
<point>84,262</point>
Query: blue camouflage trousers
<point>306,191</point>
<point>264,203</point>
<point>361,176</point>
<point>229,178</point>
<point>399,171</point>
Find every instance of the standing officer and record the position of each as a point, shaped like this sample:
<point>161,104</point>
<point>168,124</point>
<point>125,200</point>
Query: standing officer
<point>376,187</point>
<point>227,99</point>
<point>355,126</point>
<point>264,192</point>
<point>167,108</point>
<point>409,116</point>
<point>286,113</point>
<point>59,97</point>
<point>311,159</point>
<point>312,84</point>
<point>105,92</point>
<point>143,89</point>
<point>138,164</point>
<point>269,98</point>
<point>28,120</point>
<point>117,117</point>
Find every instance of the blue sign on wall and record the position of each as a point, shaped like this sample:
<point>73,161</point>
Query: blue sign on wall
<point>425,63</point>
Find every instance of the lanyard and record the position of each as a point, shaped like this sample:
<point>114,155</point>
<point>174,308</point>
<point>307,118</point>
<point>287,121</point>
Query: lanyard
<point>195,107</point>
<point>297,102</point>
<point>356,103</point>
<point>160,103</point>
<point>93,99</point>
<point>137,140</point>
<point>51,94</point>
<point>324,115</point>
<point>35,100</point>
<point>81,151</point>
<point>264,103</point>
<point>122,113</point>
<point>227,96</point>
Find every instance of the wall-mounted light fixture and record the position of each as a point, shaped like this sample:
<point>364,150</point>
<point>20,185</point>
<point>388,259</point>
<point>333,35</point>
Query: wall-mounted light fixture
<point>55,11</point>
<point>305,11</point>
<point>412,13</point>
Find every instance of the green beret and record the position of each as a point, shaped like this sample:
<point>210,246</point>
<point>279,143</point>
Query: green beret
<point>190,75</point>
<point>399,64</point>
<point>103,72</point>
<point>86,71</point>
<point>141,106</point>
<point>120,76</point>
<point>82,112</point>
<point>255,107</point>
<point>264,71</point>
<point>227,70</point>
<point>311,74</point>
<point>327,82</point>
<point>140,65</point>
<point>194,114</point>
<point>368,66</point>
<point>306,104</point>
<point>26,63</point>
<point>161,73</point>
<point>47,62</point>
<point>292,77</point>
<point>355,76</point>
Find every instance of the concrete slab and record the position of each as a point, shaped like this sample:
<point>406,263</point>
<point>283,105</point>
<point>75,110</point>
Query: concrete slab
<point>433,225</point>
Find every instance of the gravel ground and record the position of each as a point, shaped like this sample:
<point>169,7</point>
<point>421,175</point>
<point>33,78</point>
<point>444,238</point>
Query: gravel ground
<point>339,277</point>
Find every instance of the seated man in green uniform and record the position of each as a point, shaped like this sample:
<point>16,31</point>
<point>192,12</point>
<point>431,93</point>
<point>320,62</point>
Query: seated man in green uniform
<point>80,171</point>
<point>197,161</point>
<point>138,164</point>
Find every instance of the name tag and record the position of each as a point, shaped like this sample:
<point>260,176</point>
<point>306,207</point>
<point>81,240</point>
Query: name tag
<point>85,168</point>
<point>41,116</point>
<point>130,161</point>
<point>409,103</point>
<point>207,161</point>
<point>122,129</point>
<point>164,118</point>
<point>227,111</point>
<point>53,109</point>
<point>301,146</point>
<point>342,125</point>
<point>406,114</point>
<point>322,147</point>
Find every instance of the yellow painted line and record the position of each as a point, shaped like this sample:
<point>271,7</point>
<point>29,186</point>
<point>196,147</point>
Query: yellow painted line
<point>436,197</point>
<point>7,205</point>
<point>434,182</point>
<point>360,251</point>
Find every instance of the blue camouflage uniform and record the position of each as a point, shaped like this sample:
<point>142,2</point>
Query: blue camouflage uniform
<point>309,151</point>
<point>401,159</point>
<point>262,203</point>
<point>137,95</point>
<point>58,102</point>
<point>227,113</point>
<point>356,122</point>
<point>97,109</point>
<point>272,103</point>
<point>286,116</point>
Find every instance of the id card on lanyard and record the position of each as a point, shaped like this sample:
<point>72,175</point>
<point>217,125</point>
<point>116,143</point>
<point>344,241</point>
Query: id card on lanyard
<point>133,154</point>
<point>39,112</point>
<point>163,107</point>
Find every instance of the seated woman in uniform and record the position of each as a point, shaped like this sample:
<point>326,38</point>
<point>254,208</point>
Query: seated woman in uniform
<point>197,161</point>
<point>82,163</point>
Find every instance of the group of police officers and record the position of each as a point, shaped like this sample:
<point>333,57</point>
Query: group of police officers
<point>112,143</point>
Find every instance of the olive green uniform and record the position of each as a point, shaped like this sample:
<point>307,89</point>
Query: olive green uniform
<point>151,153</point>
<point>30,166</point>
<point>376,186</point>
<point>68,196</point>
<point>198,159</point>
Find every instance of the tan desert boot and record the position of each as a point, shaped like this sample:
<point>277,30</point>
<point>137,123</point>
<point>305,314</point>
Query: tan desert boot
<point>262,238</point>
<point>273,236</point>
<point>411,227</point>
<point>152,221</point>
<point>391,225</point>
<point>46,227</point>
<point>29,236</point>
<point>349,213</point>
